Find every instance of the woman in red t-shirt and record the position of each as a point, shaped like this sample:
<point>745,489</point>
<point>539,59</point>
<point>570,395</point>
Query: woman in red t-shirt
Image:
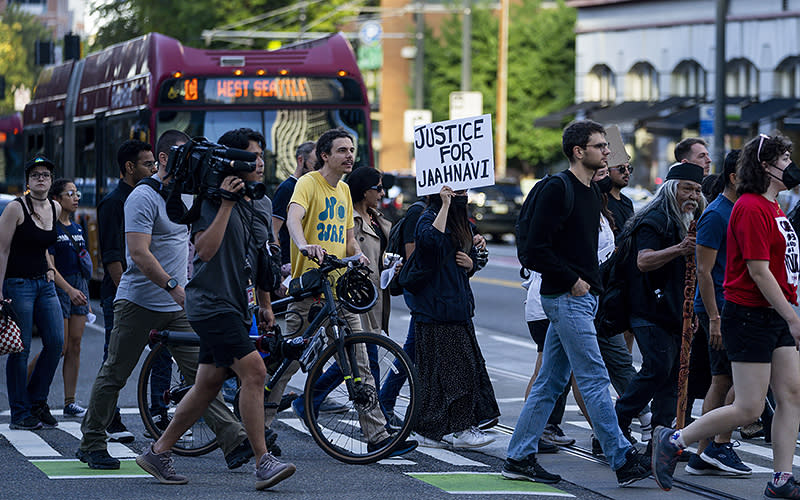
<point>760,329</point>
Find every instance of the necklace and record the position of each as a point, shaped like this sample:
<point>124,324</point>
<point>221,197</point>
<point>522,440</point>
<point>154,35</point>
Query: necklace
<point>38,199</point>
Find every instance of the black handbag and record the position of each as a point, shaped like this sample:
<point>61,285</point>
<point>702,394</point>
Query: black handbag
<point>414,275</point>
<point>269,267</point>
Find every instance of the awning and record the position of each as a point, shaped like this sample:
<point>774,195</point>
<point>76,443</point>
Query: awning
<point>675,123</point>
<point>559,118</point>
<point>636,111</point>
<point>771,109</point>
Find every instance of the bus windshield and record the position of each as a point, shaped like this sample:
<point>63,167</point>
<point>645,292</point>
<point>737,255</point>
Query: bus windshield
<point>283,129</point>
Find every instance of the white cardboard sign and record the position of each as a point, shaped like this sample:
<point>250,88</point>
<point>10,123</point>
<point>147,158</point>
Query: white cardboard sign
<point>456,153</point>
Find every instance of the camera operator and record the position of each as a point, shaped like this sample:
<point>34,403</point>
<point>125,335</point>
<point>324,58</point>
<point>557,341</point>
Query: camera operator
<point>227,237</point>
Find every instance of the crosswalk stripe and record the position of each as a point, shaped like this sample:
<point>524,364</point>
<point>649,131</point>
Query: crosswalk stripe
<point>449,457</point>
<point>28,443</point>
<point>749,448</point>
<point>116,450</point>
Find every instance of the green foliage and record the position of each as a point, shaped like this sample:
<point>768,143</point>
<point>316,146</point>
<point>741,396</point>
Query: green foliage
<point>18,34</point>
<point>541,61</point>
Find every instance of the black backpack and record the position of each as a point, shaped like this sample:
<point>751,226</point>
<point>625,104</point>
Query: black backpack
<point>396,245</point>
<point>614,304</point>
<point>526,214</point>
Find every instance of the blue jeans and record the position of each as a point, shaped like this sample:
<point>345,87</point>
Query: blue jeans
<point>34,300</point>
<point>394,382</point>
<point>570,347</point>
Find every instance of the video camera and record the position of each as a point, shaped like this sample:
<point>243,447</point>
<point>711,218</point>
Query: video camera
<point>199,167</point>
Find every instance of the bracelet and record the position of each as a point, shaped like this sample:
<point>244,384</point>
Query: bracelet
<point>50,269</point>
<point>716,318</point>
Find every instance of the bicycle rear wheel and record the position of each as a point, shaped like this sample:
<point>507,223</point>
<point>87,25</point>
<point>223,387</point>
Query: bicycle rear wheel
<point>199,439</point>
<point>339,434</point>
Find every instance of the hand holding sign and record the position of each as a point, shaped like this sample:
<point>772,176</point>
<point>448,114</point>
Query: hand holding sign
<point>456,153</point>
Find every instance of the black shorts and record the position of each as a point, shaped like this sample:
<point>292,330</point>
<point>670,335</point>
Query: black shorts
<point>223,339</point>
<point>750,334</point>
<point>538,331</point>
<point>718,359</point>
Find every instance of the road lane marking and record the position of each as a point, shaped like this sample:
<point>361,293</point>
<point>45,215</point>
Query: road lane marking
<point>28,443</point>
<point>116,450</point>
<point>498,282</point>
<point>485,483</point>
<point>74,469</point>
<point>509,374</point>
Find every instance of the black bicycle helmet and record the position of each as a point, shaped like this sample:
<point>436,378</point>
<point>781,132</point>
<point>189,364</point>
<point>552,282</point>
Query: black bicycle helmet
<point>355,290</point>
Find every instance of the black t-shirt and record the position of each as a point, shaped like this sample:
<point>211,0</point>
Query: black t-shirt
<point>280,205</point>
<point>111,229</point>
<point>621,209</point>
<point>562,253</point>
<point>410,224</point>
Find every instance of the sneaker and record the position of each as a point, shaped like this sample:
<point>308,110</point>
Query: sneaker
<point>393,422</point>
<point>74,410</point>
<point>239,455</point>
<point>97,459</point>
<point>229,390</point>
<point>488,424</point>
<point>469,438</point>
<point>117,432</point>
<point>286,400</point>
<point>400,448</point>
<point>161,466</point>
<point>646,426</point>
<point>636,467</point>
<point>555,435</point>
<point>597,449</point>
<point>330,405</point>
<point>752,431</point>
<point>299,411</point>
<point>699,467</point>
<point>42,412</point>
<point>161,422</point>
<point>626,431</point>
<point>790,489</point>
<point>29,423</point>
<point>269,471</point>
<point>427,442</point>
<point>546,447</point>
<point>665,457</point>
<point>723,457</point>
<point>528,470</point>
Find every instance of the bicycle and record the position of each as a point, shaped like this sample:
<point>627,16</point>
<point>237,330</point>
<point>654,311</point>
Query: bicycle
<point>338,434</point>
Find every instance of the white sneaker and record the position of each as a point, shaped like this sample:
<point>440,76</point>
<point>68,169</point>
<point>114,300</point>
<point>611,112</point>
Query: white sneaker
<point>470,438</point>
<point>427,442</point>
<point>646,426</point>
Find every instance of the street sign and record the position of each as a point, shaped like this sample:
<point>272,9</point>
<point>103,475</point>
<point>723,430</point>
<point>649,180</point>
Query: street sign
<point>707,120</point>
<point>465,104</point>
<point>370,33</point>
<point>413,118</point>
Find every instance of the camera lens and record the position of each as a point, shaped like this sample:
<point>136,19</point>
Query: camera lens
<point>255,190</point>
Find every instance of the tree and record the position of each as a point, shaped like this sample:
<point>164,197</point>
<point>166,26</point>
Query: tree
<point>18,34</point>
<point>540,77</point>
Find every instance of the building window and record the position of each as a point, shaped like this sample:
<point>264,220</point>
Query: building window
<point>641,83</point>
<point>600,84</point>
<point>741,79</point>
<point>689,80</point>
<point>787,78</point>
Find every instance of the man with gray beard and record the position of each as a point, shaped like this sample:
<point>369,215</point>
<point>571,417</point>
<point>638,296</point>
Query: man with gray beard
<point>659,232</point>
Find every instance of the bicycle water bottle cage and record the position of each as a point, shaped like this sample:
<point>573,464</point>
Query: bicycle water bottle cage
<point>308,284</point>
<point>314,349</point>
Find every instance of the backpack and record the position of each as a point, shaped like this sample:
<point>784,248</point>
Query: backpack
<point>794,217</point>
<point>614,304</point>
<point>395,245</point>
<point>526,215</point>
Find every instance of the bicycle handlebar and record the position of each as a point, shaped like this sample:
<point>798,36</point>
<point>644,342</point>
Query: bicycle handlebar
<point>330,263</point>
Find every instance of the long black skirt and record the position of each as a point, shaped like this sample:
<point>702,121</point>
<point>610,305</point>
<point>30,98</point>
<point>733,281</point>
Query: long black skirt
<point>455,390</point>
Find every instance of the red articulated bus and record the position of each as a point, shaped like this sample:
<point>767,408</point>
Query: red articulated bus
<point>11,158</point>
<point>83,110</point>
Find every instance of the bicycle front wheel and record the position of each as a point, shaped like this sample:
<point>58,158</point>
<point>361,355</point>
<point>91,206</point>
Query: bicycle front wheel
<point>339,432</point>
<point>167,389</point>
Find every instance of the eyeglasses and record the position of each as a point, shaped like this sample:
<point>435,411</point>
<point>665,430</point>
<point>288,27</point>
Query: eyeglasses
<point>149,164</point>
<point>623,168</point>
<point>600,146</point>
<point>761,143</point>
<point>40,175</point>
<point>378,187</point>
<point>72,194</point>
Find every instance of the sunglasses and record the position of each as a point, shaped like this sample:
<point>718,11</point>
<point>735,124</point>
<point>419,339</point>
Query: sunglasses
<point>622,169</point>
<point>761,143</point>
<point>72,194</point>
<point>378,187</point>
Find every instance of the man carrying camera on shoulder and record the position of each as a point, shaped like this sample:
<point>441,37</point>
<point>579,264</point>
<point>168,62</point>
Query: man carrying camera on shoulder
<point>228,236</point>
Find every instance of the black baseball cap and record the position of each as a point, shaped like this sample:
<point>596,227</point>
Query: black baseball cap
<point>38,161</point>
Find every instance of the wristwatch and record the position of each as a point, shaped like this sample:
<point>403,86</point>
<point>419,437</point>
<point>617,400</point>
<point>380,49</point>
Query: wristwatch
<point>171,284</point>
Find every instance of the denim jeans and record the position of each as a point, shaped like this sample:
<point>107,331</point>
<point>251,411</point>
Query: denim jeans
<point>34,301</point>
<point>394,382</point>
<point>570,346</point>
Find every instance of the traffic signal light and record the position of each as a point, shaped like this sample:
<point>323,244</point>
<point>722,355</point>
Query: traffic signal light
<point>72,47</point>
<point>45,53</point>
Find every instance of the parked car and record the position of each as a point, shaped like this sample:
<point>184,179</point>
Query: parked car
<point>638,195</point>
<point>495,208</point>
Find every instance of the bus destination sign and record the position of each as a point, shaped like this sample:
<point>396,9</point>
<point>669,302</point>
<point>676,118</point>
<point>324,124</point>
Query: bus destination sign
<point>252,90</point>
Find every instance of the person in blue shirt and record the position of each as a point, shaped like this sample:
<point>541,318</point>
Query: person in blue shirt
<point>715,457</point>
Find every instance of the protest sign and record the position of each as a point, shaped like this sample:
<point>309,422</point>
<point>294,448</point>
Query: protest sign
<point>456,153</point>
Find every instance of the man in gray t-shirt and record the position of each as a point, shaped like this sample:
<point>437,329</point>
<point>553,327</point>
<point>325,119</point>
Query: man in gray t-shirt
<point>151,296</point>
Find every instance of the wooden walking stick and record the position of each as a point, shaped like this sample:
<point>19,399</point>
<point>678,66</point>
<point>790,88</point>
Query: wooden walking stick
<point>689,285</point>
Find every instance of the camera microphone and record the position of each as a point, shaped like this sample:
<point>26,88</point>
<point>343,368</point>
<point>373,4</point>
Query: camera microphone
<point>235,154</point>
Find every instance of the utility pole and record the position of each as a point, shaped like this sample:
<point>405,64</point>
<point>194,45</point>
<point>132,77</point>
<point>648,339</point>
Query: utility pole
<point>466,47</point>
<point>419,58</point>
<point>719,86</point>
<point>502,94</point>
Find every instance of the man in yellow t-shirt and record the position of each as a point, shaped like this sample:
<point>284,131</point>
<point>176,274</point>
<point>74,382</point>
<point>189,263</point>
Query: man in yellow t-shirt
<point>320,220</point>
